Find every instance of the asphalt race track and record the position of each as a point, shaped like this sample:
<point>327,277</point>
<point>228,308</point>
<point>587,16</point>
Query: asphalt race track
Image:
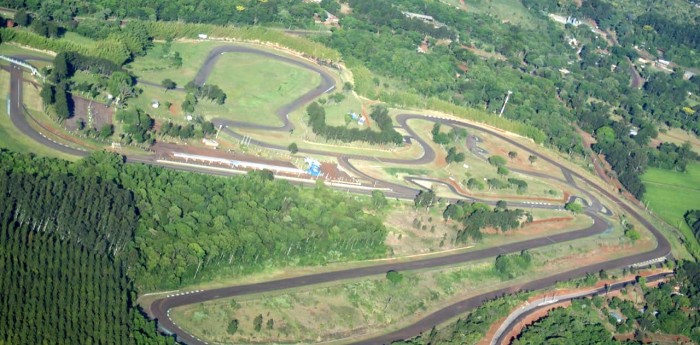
<point>160,308</point>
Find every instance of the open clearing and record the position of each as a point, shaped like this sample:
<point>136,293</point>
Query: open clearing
<point>670,194</point>
<point>511,10</point>
<point>678,137</point>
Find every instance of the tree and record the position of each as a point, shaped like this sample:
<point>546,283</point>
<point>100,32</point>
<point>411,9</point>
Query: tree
<point>574,207</point>
<point>106,131</point>
<point>47,94</point>
<point>454,156</point>
<point>270,324</point>
<point>63,105</point>
<point>425,199</point>
<point>22,18</point>
<point>394,277</point>
<point>293,148</point>
<point>121,84</point>
<point>512,154</point>
<point>347,87</point>
<point>61,68</point>
<point>501,205</point>
<point>257,323</point>
<point>497,161</point>
<point>475,184</point>
<point>379,199</point>
<point>501,170</point>
<point>605,136</point>
<point>168,84</point>
<point>632,234</point>
<point>532,159</point>
<point>232,327</point>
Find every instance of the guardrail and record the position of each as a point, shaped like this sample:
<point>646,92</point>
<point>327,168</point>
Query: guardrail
<point>649,262</point>
<point>24,64</point>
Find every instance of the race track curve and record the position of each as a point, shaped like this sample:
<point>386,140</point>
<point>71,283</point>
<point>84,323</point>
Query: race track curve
<point>160,308</point>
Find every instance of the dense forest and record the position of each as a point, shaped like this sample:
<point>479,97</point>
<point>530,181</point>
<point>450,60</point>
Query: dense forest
<point>64,244</point>
<point>247,222</point>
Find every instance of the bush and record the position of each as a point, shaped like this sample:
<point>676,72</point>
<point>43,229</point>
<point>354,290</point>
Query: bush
<point>394,277</point>
<point>232,327</point>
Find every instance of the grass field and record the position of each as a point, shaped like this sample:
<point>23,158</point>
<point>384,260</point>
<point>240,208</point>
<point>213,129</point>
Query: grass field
<point>512,10</point>
<point>11,49</point>
<point>670,194</point>
<point>679,136</point>
<point>256,87</point>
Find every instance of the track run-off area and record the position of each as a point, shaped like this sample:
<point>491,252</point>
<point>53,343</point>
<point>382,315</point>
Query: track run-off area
<point>594,208</point>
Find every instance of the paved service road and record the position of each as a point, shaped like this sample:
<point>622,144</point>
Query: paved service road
<point>160,308</point>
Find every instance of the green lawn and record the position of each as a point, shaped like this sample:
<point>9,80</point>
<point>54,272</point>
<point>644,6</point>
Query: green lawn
<point>9,49</point>
<point>670,194</point>
<point>511,10</point>
<point>256,87</point>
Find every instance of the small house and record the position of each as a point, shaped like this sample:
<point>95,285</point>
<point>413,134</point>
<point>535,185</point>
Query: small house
<point>203,36</point>
<point>361,121</point>
<point>155,104</point>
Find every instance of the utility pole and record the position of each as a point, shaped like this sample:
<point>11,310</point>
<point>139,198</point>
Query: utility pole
<point>505,102</point>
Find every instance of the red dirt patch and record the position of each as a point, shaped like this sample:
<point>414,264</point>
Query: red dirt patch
<point>174,109</point>
<point>534,228</point>
<point>331,172</point>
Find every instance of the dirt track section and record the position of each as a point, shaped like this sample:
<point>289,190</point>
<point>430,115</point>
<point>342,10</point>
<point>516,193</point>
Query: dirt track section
<point>161,307</point>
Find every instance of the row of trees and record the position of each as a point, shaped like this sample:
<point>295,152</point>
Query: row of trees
<point>198,130</point>
<point>380,116</point>
<point>107,214</point>
<point>66,242</point>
